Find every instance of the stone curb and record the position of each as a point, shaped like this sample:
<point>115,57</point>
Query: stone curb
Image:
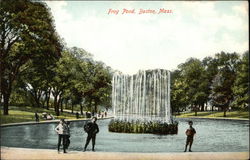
<point>49,121</point>
<point>217,118</point>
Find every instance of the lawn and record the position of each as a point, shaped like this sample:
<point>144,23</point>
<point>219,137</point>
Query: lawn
<point>216,114</point>
<point>27,114</point>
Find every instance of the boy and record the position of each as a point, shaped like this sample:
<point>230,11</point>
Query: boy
<point>190,132</point>
<point>92,129</point>
<point>60,129</point>
<point>67,134</point>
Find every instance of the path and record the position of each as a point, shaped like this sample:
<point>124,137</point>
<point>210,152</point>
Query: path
<point>49,121</point>
<point>44,154</point>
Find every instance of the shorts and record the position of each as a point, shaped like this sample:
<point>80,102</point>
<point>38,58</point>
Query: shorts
<point>189,140</point>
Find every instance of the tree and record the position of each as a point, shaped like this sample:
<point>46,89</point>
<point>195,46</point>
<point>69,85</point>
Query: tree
<point>82,80</point>
<point>35,81</point>
<point>62,79</point>
<point>92,82</point>
<point>179,99</point>
<point>222,94</point>
<point>99,89</point>
<point>192,73</point>
<point>241,84</point>
<point>211,69</point>
<point>27,32</point>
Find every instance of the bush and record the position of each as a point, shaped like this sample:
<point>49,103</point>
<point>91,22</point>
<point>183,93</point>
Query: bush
<point>155,127</point>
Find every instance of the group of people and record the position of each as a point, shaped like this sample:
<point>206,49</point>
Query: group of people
<point>92,129</point>
<point>102,114</point>
<point>63,131</point>
<point>45,116</point>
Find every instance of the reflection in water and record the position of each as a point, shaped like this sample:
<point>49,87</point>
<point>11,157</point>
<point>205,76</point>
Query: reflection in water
<point>212,136</point>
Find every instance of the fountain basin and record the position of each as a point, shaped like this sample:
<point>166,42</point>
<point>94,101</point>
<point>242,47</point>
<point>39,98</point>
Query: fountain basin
<point>212,136</point>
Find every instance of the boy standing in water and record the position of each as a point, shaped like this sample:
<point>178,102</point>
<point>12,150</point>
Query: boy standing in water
<point>190,132</point>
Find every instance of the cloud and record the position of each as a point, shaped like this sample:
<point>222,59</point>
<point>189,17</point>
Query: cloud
<point>58,11</point>
<point>132,42</point>
<point>241,9</point>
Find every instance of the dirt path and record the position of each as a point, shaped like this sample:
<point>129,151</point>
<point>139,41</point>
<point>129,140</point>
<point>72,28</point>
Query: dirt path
<point>43,154</point>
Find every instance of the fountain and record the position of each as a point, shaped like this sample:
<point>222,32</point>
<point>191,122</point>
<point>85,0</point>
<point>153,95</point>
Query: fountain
<point>142,100</point>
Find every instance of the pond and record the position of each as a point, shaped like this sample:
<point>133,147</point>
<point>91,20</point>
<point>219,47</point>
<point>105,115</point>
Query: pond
<point>212,136</point>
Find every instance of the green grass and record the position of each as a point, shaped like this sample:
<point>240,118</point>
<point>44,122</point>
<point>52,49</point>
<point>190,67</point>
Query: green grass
<point>216,114</point>
<point>26,114</point>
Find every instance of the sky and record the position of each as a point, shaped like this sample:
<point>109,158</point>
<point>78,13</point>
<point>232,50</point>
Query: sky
<point>131,41</point>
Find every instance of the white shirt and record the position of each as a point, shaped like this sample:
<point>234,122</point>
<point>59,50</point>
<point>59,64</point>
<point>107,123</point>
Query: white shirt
<point>59,129</point>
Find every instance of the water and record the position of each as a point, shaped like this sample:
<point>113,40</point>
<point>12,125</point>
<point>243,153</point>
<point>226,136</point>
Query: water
<point>212,136</point>
<point>145,95</point>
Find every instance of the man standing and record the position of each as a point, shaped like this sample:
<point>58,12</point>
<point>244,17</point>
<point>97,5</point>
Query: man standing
<point>92,129</point>
<point>190,132</point>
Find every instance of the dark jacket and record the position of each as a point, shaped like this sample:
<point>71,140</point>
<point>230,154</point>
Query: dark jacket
<point>190,132</point>
<point>91,128</point>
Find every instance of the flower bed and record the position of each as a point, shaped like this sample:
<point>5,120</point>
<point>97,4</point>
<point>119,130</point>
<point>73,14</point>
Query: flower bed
<point>155,127</point>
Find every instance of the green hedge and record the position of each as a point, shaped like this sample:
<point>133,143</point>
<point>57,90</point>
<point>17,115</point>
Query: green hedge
<point>155,127</point>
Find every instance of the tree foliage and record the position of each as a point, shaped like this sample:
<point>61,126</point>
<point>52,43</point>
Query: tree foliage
<point>241,85</point>
<point>221,81</point>
<point>27,33</point>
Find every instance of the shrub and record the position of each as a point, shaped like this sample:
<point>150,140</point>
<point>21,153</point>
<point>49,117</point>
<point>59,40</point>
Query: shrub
<point>155,127</point>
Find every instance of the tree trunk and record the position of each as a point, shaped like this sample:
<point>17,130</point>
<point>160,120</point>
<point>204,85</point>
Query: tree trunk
<point>61,105</point>
<point>90,103</point>
<point>66,104</point>
<point>95,109</point>
<point>202,107</point>
<point>55,101</point>
<point>195,110</point>
<point>56,105</point>
<point>224,113</point>
<point>72,107</point>
<point>35,97</point>
<point>57,111</point>
<point>81,109</point>
<point>47,98</point>
<point>43,101</point>
<point>6,98</point>
<point>37,100</point>
<point>224,110</point>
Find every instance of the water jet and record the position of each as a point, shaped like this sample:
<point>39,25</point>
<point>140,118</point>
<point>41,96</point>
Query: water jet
<point>141,103</point>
